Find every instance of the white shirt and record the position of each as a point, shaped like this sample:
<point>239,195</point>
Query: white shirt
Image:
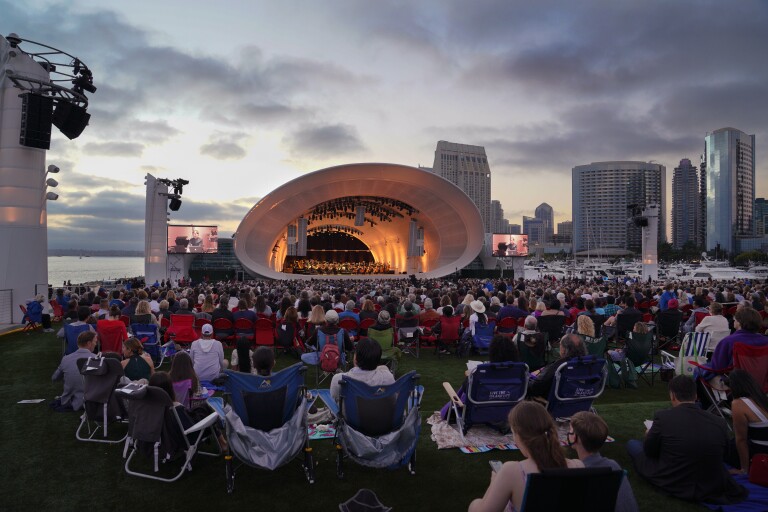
<point>380,376</point>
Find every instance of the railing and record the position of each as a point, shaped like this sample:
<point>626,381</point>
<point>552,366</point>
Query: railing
<point>45,290</point>
<point>6,306</point>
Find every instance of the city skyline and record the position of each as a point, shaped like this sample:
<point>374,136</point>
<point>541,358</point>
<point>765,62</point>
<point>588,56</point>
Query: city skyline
<point>242,99</point>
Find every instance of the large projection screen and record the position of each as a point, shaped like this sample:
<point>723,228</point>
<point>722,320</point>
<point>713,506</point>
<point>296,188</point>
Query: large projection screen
<point>509,245</point>
<point>193,239</point>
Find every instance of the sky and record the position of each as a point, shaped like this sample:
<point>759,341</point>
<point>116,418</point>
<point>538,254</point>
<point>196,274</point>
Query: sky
<point>239,97</point>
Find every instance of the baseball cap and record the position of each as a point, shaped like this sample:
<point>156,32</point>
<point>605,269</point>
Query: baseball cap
<point>673,303</point>
<point>207,329</point>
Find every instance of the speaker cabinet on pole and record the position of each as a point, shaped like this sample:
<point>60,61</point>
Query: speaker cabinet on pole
<point>70,119</point>
<point>36,113</point>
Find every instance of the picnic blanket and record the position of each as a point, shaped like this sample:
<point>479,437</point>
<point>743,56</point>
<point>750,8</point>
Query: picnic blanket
<point>756,502</point>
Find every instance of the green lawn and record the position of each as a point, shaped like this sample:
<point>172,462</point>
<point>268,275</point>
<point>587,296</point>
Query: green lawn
<point>45,468</point>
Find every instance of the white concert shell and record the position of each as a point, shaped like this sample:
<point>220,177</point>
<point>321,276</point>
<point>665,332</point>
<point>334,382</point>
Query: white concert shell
<point>453,228</point>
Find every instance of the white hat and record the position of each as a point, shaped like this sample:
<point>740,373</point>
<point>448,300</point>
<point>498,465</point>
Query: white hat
<point>207,329</point>
<point>331,316</point>
<point>477,306</point>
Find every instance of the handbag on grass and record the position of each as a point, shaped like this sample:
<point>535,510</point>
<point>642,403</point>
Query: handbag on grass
<point>758,470</point>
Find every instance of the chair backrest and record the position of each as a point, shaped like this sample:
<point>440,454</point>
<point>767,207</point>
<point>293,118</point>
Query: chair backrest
<point>112,333</point>
<point>376,410</point>
<point>146,333</point>
<point>578,382</point>
<point>695,344</point>
<point>754,360</point>
<point>668,325</point>
<point>552,326</point>
<point>639,347</point>
<point>596,346</point>
<point>484,335</point>
<point>715,338</point>
<point>71,332</point>
<point>625,322</point>
<point>266,402</point>
<point>597,321</point>
<point>245,326</point>
<point>367,323</point>
<point>178,321</point>
<point>506,325</point>
<point>532,349</point>
<point>384,338</point>
<point>349,324</point>
<point>699,316</point>
<point>559,489</point>
<point>125,319</point>
<point>147,413</point>
<point>100,378</point>
<point>450,328</point>
<point>264,331</point>
<point>492,390</point>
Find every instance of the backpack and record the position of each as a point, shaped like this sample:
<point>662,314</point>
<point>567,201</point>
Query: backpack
<point>330,355</point>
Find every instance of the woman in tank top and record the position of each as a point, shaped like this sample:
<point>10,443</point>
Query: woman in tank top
<point>750,420</point>
<point>535,433</point>
<point>136,363</point>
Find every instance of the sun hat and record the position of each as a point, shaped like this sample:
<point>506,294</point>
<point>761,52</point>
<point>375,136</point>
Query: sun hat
<point>477,306</point>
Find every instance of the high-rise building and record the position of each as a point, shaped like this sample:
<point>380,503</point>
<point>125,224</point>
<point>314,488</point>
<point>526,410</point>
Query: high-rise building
<point>761,216</point>
<point>565,231</point>
<point>498,223</point>
<point>701,235</point>
<point>730,187</point>
<point>467,167</point>
<point>515,229</point>
<point>536,229</point>
<point>686,204</point>
<point>602,193</point>
<point>545,213</point>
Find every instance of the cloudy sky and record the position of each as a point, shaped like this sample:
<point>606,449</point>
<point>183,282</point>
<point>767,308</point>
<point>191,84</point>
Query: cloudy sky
<point>241,96</point>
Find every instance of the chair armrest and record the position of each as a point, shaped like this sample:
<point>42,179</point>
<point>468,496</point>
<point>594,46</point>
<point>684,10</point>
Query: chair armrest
<point>452,395</point>
<point>712,370</point>
<point>203,423</point>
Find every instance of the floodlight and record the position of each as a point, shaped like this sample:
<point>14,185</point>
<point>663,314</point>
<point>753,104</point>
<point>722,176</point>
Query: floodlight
<point>51,196</point>
<point>53,169</point>
<point>51,182</point>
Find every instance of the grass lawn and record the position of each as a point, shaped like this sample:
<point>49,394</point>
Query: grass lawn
<point>45,468</point>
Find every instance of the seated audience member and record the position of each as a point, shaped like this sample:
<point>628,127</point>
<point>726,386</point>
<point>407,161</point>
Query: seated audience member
<point>571,345</point>
<point>103,311</point>
<point>715,322</point>
<point>368,310</point>
<point>222,311</point>
<point>747,322</point>
<point>367,368</point>
<point>749,411</point>
<point>700,304</point>
<point>184,308</point>
<point>182,369</point>
<point>535,434</point>
<point>429,313</point>
<point>587,435</point>
<point>244,312</point>
<point>349,312</point>
<point>409,317</point>
<point>207,355</point>
<point>683,451</point>
<point>72,395</point>
<point>137,364</point>
<point>83,314</point>
<point>263,361</point>
<point>330,328</point>
<point>530,328</point>
<point>73,309</point>
<point>618,354</point>
<point>241,356</point>
<point>143,314</point>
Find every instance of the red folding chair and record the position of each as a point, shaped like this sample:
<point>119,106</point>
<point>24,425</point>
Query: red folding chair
<point>450,332</point>
<point>244,327</point>
<point>366,324</point>
<point>199,323</point>
<point>58,311</point>
<point>507,326</point>
<point>123,318</point>
<point>111,333</point>
<point>182,329</point>
<point>30,325</point>
<point>350,325</point>
<point>699,316</point>
<point>224,330</point>
<point>428,337</point>
<point>754,360</point>
<point>264,333</point>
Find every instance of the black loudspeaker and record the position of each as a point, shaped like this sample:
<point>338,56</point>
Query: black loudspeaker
<point>71,119</point>
<point>36,113</point>
<point>175,204</point>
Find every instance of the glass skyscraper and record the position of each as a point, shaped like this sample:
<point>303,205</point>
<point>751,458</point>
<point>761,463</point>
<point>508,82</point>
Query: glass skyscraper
<point>730,163</point>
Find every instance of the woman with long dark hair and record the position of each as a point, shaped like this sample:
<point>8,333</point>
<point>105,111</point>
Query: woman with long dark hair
<point>535,433</point>
<point>241,356</point>
<point>750,419</point>
<point>183,369</point>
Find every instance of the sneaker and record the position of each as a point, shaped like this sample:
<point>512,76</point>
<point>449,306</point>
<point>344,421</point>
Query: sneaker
<point>444,352</point>
<point>48,330</point>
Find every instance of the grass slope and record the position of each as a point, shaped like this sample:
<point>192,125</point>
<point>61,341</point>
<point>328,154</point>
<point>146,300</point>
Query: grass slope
<point>45,468</point>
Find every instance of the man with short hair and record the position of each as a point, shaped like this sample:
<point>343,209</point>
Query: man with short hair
<point>682,453</point>
<point>367,368</point>
<point>72,397</point>
<point>184,308</point>
<point>587,435</point>
<point>571,345</point>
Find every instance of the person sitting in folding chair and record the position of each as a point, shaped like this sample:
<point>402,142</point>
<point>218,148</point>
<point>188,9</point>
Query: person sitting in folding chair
<point>747,322</point>
<point>367,368</point>
<point>72,397</point>
<point>750,421</point>
<point>536,435</point>
<point>587,435</point>
<point>571,345</point>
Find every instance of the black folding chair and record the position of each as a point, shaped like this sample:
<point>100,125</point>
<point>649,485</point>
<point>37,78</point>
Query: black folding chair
<point>594,489</point>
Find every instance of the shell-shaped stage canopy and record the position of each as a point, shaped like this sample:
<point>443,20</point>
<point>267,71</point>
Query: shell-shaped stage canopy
<point>451,223</point>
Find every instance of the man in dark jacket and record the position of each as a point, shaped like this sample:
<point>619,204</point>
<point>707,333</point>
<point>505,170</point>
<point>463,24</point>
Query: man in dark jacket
<point>571,345</point>
<point>682,454</point>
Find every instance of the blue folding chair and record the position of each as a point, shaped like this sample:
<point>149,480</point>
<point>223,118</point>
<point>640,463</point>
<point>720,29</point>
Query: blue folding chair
<point>481,340</point>
<point>149,336</point>
<point>493,389</point>
<point>71,332</point>
<point>578,382</point>
<point>378,426</point>
<point>266,423</point>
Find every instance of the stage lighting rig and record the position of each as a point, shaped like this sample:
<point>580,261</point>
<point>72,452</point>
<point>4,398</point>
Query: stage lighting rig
<point>69,113</point>
<point>178,187</point>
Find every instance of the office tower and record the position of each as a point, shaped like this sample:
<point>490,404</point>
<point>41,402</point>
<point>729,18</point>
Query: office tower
<point>761,216</point>
<point>565,231</point>
<point>686,204</point>
<point>497,217</point>
<point>602,193</point>
<point>701,236</point>
<point>467,167</point>
<point>515,229</point>
<point>545,213</point>
<point>536,229</point>
<point>730,187</point>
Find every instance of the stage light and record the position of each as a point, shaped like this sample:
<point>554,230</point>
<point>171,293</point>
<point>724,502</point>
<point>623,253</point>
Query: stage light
<point>175,204</point>
<point>53,169</point>
<point>51,182</point>
<point>51,196</point>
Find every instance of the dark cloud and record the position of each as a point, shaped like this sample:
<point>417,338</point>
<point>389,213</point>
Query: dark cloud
<point>118,149</point>
<point>324,142</point>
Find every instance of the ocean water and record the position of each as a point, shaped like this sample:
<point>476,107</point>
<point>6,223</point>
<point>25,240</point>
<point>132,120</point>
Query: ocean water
<point>88,269</point>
